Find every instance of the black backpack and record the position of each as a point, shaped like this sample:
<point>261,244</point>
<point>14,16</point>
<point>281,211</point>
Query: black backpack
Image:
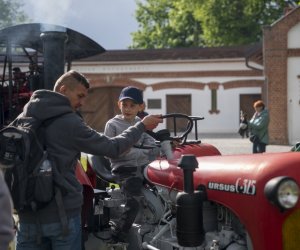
<point>27,170</point>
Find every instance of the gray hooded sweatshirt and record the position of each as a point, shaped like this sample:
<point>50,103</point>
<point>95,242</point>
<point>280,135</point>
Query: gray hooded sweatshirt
<point>66,136</point>
<point>135,156</point>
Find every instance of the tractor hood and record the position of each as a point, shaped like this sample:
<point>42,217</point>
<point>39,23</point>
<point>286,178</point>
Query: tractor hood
<point>238,182</point>
<point>228,174</point>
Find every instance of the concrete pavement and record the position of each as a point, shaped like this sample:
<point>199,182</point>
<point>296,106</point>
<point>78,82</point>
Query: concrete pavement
<point>229,144</point>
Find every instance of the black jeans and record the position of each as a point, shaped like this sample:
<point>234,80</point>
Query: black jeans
<point>259,147</point>
<point>131,187</point>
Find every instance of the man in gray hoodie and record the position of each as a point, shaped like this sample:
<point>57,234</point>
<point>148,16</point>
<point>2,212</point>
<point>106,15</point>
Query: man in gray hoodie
<point>6,216</point>
<point>67,136</point>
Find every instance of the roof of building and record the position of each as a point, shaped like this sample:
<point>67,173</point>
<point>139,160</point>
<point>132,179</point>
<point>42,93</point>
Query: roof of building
<point>176,53</point>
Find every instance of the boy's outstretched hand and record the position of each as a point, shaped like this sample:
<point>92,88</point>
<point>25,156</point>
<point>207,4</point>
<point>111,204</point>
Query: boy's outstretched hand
<point>151,121</point>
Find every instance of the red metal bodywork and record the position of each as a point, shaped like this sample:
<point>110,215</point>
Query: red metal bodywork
<point>237,182</point>
<point>87,192</point>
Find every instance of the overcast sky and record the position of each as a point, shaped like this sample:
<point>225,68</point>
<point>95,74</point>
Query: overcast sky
<point>107,22</point>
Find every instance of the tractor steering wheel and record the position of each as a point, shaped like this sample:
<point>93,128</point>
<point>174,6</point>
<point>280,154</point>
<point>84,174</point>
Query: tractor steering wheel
<point>188,128</point>
<point>164,134</point>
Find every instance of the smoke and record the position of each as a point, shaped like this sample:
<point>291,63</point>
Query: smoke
<point>51,12</point>
<point>108,22</point>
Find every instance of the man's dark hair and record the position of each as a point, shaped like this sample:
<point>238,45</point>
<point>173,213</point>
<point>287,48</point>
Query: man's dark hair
<point>68,79</point>
<point>80,78</point>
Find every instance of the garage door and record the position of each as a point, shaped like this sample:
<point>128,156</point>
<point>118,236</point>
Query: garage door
<point>178,104</point>
<point>100,106</point>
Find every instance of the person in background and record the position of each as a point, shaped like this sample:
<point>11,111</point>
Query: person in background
<point>243,130</point>
<point>6,215</point>
<point>258,126</point>
<point>65,138</point>
<point>142,113</point>
<point>127,167</point>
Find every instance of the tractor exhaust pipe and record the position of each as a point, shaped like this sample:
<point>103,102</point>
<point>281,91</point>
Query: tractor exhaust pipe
<point>190,232</point>
<point>54,56</point>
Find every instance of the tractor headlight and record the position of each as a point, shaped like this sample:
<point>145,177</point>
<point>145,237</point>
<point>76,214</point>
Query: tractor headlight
<point>283,192</point>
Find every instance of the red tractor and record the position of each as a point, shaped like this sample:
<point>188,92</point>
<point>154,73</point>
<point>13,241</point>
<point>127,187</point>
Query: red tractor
<point>195,198</point>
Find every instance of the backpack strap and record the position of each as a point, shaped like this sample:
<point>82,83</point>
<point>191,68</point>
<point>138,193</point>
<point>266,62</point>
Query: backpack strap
<point>58,195</point>
<point>39,229</point>
<point>61,211</point>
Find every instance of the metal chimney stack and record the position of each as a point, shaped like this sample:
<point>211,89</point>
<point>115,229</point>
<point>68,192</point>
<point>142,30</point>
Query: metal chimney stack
<point>54,56</point>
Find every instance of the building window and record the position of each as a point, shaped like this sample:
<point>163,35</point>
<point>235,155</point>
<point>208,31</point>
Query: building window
<point>214,98</point>
<point>154,104</point>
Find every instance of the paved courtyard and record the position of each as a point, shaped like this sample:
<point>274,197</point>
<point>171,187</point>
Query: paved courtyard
<point>233,144</point>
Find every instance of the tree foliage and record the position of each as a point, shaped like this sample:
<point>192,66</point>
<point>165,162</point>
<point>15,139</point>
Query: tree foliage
<point>166,23</point>
<point>181,23</point>
<point>11,13</point>
<point>235,22</point>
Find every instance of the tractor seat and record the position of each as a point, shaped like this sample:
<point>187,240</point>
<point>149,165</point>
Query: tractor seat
<point>101,166</point>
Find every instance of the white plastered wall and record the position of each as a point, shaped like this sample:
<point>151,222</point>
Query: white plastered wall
<point>293,79</point>
<point>227,121</point>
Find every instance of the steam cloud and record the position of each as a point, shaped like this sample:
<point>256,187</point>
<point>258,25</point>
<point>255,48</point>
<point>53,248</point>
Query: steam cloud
<point>52,12</point>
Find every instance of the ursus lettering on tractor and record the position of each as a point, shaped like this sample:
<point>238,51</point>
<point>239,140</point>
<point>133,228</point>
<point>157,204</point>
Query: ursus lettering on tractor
<point>195,198</point>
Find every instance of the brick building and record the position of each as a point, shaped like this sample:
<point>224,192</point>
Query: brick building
<point>281,50</point>
<point>211,82</point>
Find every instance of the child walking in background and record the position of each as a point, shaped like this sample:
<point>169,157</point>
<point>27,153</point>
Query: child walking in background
<point>127,168</point>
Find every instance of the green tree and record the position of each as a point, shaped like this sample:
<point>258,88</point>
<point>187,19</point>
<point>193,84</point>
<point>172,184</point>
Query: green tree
<point>11,13</point>
<point>235,22</point>
<point>165,24</point>
<point>182,23</point>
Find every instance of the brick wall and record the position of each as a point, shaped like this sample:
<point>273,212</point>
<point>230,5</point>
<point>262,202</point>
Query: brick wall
<point>275,53</point>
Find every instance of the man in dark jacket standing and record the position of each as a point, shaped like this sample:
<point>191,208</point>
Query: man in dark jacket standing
<point>66,136</point>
